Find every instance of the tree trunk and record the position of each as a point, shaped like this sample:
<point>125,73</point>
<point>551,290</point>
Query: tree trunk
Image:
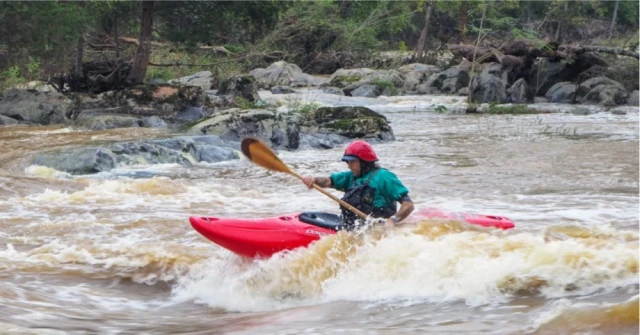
<point>141,60</point>
<point>462,21</point>
<point>116,38</point>
<point>559,28</point>
<point>529,4</point>
<point>77,69</point>
<point>421,49</point>
<point>613,20</point>
<point>344,7</point>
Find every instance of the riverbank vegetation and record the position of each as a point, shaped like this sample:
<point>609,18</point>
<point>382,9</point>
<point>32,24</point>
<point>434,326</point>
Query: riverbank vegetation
<point>122,43</point>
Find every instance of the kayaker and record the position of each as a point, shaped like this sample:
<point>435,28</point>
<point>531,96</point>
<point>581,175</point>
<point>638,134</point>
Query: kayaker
<point>368,187</point>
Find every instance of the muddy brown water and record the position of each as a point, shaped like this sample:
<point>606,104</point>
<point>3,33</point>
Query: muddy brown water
<point>113,253</point>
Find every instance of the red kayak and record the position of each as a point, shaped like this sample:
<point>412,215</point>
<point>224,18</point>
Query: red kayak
<point>267,236</point>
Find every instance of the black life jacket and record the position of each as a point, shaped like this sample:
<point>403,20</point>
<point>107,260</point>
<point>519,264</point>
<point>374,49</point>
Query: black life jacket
<point>361,197</point>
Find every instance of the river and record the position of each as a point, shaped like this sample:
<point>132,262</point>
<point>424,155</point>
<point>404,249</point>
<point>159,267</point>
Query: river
<point>113,253</point>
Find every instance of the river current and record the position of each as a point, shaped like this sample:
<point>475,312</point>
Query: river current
<point>113,253</point>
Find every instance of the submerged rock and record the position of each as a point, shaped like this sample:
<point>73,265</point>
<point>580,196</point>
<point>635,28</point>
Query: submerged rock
<point>180,150</point>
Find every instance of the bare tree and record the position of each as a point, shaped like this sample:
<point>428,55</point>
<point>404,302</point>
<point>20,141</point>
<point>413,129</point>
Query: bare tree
<point>613,20</point>
<point>421,49</point>
<point>141,60</point>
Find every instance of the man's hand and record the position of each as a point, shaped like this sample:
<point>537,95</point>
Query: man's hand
<point>390,223</point>
<point>309,181</point>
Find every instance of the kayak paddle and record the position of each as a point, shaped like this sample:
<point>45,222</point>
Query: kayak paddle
<point>259,153</point>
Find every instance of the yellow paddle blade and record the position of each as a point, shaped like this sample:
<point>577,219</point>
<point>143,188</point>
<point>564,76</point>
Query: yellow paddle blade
<point>259,153</point>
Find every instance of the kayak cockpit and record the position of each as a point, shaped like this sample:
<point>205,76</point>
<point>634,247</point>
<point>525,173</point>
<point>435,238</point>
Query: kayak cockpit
<point>323,220</point>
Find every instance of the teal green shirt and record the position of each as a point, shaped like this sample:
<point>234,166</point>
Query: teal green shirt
<point>389,189</point>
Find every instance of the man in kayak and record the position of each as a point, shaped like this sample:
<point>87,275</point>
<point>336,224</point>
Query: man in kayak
<point>368,187</point>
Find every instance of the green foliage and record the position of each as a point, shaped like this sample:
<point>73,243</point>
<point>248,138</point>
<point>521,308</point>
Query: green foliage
<point>441,109</point>
<point>383,83</point>
<point>510,109</point>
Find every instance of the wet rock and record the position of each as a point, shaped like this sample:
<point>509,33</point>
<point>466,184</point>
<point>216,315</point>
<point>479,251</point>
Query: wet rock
<point>7,121</point>
<point>580,111</point>
<point>281,90</point>
<point>282,74</point>
<point>387,81</point>
<point>349,122</point>
<point>278,128</point>
<point>240,86</point>
<point>519,92</point>
<point>446,82</point>
<point>369,91</point>
<point>36,107</point>
<point>202,79</point>
<point>102,122</point>
<point>633,99</point>
<point>79,161</point>
<point>607,95</point>
<point>597,81</point>
<point>345,77</point>
<point>488,88</point>
<point>180,150</point>
<point>153,122</point>
<point>563,92</point>
<point>332,90</point>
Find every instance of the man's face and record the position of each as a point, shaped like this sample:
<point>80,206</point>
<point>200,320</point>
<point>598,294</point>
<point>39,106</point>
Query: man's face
<point>354,166</point>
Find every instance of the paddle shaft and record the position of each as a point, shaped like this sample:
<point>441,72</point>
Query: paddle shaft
<point>336,199</point>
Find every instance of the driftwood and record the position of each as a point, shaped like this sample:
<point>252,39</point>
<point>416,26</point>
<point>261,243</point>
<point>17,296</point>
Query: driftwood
<point>488,53</point>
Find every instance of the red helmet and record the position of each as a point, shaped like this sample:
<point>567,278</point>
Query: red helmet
<point>359,149</point>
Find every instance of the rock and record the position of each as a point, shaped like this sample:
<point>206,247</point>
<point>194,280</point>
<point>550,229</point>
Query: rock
<point>240,86</point>
<point>102,122</point>
<point>332,90</point>
<point>563,92</point>
<point>79,161</point>
<point>369,91</point>
<point>540,100</point>
<point>202,79</point>
<point>280,129</point>
<point>349,122</point>
<point>416,74</point>
<point>282,73</point>
<point>519,92</point>
<point>447,82</point>
<point>179,150</point>
<point>37,85</point>
<point>36,107</point>
<point>153,122</point>
<point>606,95</point>
<point>281,90</point>
<point>7,121</point>
<point>344,77</point>
<point>488,88</point>
<point>633,99</point>
<point>597,81</point>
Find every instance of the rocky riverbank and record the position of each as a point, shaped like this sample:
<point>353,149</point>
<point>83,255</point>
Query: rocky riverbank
<point>209,123</point>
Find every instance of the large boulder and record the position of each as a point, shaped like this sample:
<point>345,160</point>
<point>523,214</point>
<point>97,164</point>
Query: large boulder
<point>279,128</point>
<point>350,122</point>
<point>487,88</point>
<point>345,77</point>
<point>283,74</point>
<point>37,107</point>
<point>143,106</point>
<point>202,79</point>
<point>519,92</point>
<point>563,92</point>
<point>240,86</point>
<point>179,150</point>
<point>607,95</point>
<point>445,82</point>
<point>416,74</point>
<point>387,82</point>
<point>633,99</point>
